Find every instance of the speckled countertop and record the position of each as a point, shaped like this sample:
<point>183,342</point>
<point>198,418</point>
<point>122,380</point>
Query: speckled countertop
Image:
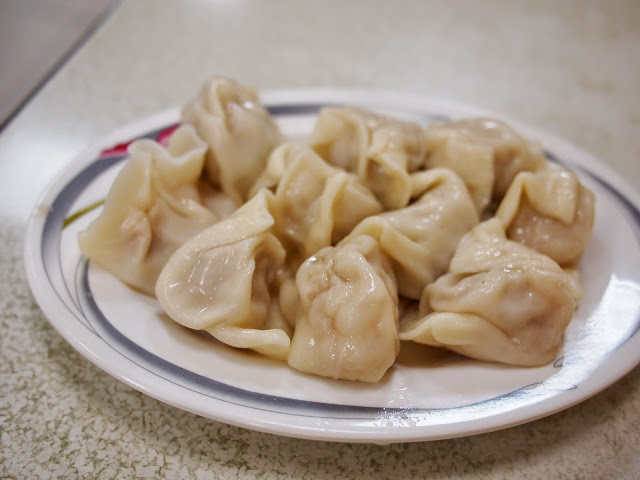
<point>570,67</point>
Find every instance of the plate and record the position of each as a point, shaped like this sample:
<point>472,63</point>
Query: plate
<point>427,394</point>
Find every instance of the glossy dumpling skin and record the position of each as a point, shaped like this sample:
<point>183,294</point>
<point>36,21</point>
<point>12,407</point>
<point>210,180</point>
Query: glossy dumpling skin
<point>219,280</point>
<point>500,301</point>
<point>315,204</point>
<point>347,325</point>
<point>486,153</point>
<point>549,211</point>
<point>421,238</point>
<point>156,203</point>
<point>239,131</point>
<point>381,151</point>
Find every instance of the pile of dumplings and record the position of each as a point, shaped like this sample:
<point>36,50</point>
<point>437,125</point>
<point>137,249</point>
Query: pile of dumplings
<point>329,254</point>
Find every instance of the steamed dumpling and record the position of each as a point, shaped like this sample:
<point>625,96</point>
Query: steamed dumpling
<point>486,153</point>
<point>421,238</point>
<point>381,151</point>
<point>347,325</point>
<point>500,301</point>
<point>238,130</point>
<point>156,203</point>
<point>315,204</point>
<point>219,281</point>
<point>549,211</point>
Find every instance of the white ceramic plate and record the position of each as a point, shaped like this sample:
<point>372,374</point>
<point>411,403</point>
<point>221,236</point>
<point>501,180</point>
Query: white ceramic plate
<point>425,396</point>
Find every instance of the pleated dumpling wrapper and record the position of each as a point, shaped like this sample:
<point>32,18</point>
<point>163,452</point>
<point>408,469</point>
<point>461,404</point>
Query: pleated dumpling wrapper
<point>500,301</point>
<point>315,204</point>
<point>347,325</point>
<point>549,211</point>
<point>421,238</point>
<point>380,150</point>
<point>156,203</point>
<point>219,281</point>
<point>239,131</point>
<point>486,153</point>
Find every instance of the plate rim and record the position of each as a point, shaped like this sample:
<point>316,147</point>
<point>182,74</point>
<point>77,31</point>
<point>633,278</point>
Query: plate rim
<point>91,348</point>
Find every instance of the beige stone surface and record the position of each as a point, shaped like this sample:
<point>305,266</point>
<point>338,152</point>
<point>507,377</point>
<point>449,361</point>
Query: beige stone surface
<point>568,67</point>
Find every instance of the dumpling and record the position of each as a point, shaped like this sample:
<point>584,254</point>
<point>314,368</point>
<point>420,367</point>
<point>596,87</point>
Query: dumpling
<point>486,153</point>
<point>380,150</point>
<point>315,204</point>
<point>238,130</point>
<point>421,238</point>
<point>500,301</point>
<point>347,326</point>
<point>549,211</point>
<point>276,166</point>
<point>219,281</point>
<point>156,203</point>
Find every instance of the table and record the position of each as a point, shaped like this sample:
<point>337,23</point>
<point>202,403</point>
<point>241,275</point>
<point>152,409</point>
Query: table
<point>569,67</point>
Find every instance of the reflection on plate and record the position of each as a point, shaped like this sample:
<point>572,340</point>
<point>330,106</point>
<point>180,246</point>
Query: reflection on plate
<point>428,394</point>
